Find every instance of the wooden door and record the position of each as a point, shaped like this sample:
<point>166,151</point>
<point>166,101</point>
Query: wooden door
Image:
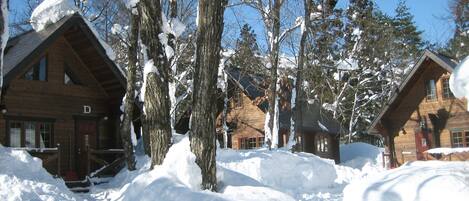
<point>422,143</point>
<point>86,134</point>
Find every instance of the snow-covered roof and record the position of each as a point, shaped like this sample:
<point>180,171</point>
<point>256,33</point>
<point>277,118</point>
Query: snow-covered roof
<point>24,47</point>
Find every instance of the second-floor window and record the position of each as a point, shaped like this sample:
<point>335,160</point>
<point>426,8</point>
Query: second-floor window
<point>431,90</point>
<point>38,71</point>
<point>446,90</point>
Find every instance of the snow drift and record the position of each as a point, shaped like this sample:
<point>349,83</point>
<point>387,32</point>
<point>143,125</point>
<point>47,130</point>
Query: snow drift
<point>415,181</point>
<point>23,178</point>
<point>242,175</point>
<point>281,169</point>
<point>361,155</point>
<point>179,178</point>
<point>51,11</point>
<point>459,80</point>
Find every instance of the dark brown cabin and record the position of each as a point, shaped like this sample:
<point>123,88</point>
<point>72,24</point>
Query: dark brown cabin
<point>246,117</point>
<point>61,98</point>
<point>423,113</point>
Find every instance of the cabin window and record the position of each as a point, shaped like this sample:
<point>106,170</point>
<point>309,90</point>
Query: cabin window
<point>251,143</point>
<point>38,71</point>
<point>447,94</point>
<point>431,90</point>
<point>31,134</point>
<point>322,143</point>
<point>69,77</point>
<point>460,138</point>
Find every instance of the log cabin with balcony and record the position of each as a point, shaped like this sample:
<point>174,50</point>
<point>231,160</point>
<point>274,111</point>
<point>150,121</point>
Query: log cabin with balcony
<point>423,113</point>
<point>61,98</point>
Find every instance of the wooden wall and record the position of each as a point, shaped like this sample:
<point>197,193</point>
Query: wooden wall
<point>449,110</point>
<point>54,100</point>
<point>247,117</point>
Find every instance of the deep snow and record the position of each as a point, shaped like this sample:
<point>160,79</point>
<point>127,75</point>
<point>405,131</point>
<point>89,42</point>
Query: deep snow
<point>243,175</point>
<point>249,175</point>
<point>23,178</point>
<point>414,181</point>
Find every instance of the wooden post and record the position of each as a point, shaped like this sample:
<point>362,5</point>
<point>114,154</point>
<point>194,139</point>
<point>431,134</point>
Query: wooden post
<point>58,160</point>
<point>88,155</point>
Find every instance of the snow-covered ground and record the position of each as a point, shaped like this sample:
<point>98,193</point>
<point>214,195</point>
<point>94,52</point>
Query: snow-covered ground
<point>243,175</point>
<point>23,178</point>
<point>416,181</point>
<point>249,175</point>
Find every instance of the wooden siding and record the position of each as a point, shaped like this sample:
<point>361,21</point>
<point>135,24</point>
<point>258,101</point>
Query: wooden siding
<point>450,112</point>
<point>247,117</point>
<point>53,99</point>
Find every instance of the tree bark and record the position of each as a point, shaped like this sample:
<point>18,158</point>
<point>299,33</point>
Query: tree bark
<point>129,101</point>
<point>203,133</point>
<point>274,52</point>
<point>297,113</point>
<point>3,32</point>
<point>157,102</point>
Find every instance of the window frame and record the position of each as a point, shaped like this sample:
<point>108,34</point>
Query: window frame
<point>464,138</point>
<point>37,122</point>
<point>250,142</point>
<point>322,143</point>
<point>434,96</point>
<point>71,75</point>
<point>446,91</point>
<point>33,67</point>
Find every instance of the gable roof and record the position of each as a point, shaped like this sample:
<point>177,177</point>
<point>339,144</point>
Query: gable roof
<point>443,61</point>
<point>314,119</point>
<point>20,50</point>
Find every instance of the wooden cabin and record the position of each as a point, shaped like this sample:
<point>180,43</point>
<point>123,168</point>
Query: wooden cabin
<point>246,116</point>
<point>61,98</point>
<point>423,113</point>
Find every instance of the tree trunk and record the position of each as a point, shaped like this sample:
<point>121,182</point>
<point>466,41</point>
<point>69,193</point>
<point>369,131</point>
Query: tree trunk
<point>129,101</point>
<point>157,102</point>
<point>173,63</point>
<point>203,133</point>
<point>297,113</point>
<point>3,39</point>
<point>274,52</point>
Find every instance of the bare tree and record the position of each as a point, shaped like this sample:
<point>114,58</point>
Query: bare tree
<point>129,101</point>
<point>157,102</point>
<point>203,132</point>
<point>4,37</point>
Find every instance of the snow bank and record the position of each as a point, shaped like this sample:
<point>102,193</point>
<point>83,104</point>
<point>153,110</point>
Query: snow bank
<point>361,155</point>
<point>416,181</point>
<point>51,11</point>
<point>179,178</point>
<point>446,151</point>
<point>459,80</point>
<point>281,169</point>
<point>23,178</point>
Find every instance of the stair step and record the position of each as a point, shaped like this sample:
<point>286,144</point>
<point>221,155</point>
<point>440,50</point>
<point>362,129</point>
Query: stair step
<point>79,186</point>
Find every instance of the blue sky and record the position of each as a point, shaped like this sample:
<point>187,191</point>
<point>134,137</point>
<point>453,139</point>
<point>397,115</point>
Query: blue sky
<point>430,16</point>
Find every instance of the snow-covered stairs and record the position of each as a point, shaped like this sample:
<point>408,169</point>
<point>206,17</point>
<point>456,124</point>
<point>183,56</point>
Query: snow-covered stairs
<point>79,186</point>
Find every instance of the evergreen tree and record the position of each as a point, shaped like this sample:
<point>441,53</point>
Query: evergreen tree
<point>458,46</point>
<point>407,39</point>
<point>247,52</point>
